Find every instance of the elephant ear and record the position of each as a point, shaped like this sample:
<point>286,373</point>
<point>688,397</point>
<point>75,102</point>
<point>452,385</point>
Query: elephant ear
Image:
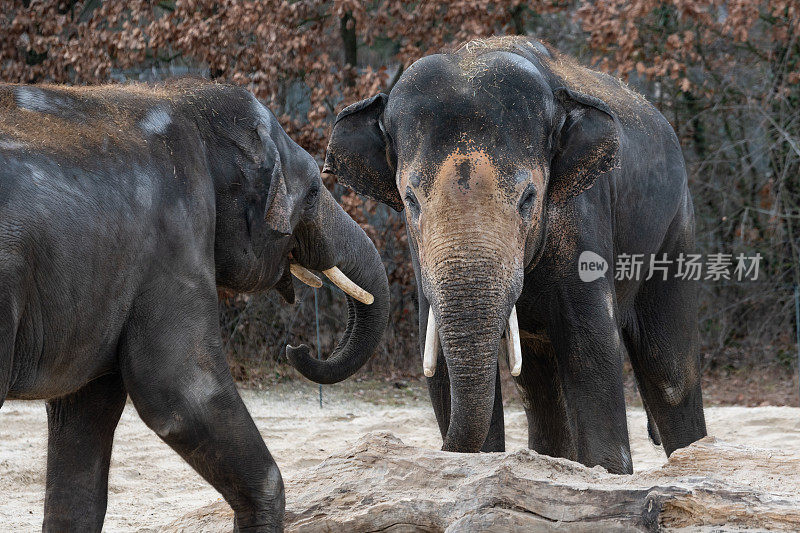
<point>279,203</point>
<point>358,152</point>
<point>585,146</point>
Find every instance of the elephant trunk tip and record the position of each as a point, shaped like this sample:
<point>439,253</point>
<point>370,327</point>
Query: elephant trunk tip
<point>300,358</point>
<point>462,447</point>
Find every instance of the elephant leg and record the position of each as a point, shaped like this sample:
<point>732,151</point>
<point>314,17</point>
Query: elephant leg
<point>543,398</point>
<point>9,320</point>
<point>587,345</point>
<point>496,438</point>
<point>652,429</point>
<point>179,382</point>
<point>80,433</point>
<point>6,360</point>
<point>662,344</point>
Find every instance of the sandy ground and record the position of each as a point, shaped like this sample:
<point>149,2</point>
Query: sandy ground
<point>151,486</point>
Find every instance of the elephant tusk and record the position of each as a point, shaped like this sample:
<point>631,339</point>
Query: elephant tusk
<point>346,284</point>
<point>431,345</point>
<point>305,275</point>
<point>513,346</point>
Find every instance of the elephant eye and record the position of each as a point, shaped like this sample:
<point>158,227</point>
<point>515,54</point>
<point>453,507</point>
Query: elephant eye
<point>526,201</point>
<point>311,197</point>
<point>411,201</point>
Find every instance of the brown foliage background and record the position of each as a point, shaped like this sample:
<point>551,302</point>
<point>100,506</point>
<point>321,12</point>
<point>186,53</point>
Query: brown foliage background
<point>725,73</point>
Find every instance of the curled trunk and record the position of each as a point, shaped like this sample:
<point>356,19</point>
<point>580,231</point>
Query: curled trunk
<point>331,238</point>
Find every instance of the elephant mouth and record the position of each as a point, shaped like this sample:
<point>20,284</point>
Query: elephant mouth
<point>292,267</point>
<point>284,285</point>
<point>511,335</point>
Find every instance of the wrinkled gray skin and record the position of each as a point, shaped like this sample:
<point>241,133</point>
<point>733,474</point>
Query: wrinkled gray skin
<point>122,209</point>
<point>509,161</point>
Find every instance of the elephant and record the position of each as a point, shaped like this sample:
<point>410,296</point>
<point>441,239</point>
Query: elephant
<point>123,209</point>
<point>510,160</point>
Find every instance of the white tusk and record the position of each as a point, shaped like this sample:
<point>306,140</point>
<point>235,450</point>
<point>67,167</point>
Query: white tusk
<point>431,345</point>
<point>513,346</point>
<point>343,282</point>
<point>305,275</point>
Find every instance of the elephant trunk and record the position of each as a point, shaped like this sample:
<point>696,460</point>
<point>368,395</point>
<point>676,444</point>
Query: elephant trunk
<point>471,303</point>
<point>330,238</point>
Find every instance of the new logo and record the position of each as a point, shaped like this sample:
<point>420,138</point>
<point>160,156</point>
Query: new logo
<point>591,266</point>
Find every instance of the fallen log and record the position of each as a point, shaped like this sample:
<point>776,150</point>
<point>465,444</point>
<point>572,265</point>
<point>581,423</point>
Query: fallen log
<point>384,485</point>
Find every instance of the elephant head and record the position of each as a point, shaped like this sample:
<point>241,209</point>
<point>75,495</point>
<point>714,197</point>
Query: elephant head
<point>476,148</point>
<point>274,217</point>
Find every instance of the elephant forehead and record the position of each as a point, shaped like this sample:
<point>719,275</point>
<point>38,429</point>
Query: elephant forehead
<point>472,174</point>
<point>464,170</point>
<point>461,171</point>
<point>467,198</point>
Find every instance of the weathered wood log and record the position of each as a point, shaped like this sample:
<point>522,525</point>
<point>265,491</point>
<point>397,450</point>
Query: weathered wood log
<point>384,485</point>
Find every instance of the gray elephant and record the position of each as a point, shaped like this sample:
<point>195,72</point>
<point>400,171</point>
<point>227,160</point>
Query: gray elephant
<point>511,160</point>
<point>122,209</point>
